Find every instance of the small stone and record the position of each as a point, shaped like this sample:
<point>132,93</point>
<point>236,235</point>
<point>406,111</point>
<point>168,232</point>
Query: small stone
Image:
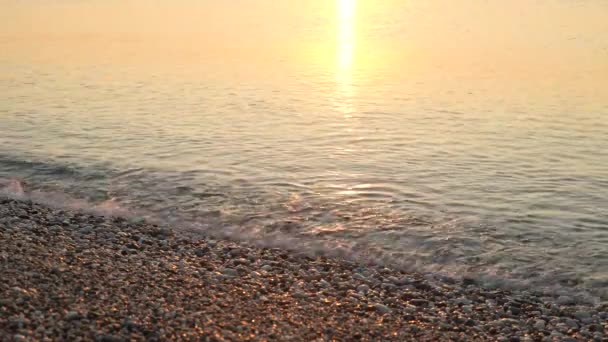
<point>410,309</point>
<point>388,286</point>
<point>514,310</point>
<point>505,322</point>
<point>539,324</point>
<point>390,300</point>
<point>324,283</point>
<point>362,288</point>
<point>445,327</point>
<point>230,272</point>
<point>405,281</point>
<point>133,245</point>
<point>300,295</point>
<point>266,268</point>
<point>241,261</point>
<point>18,290</point>
<point>595,327</point>
<point>199,252</point>
<point>571,323</point>
<point>419,302</point>
<point>565,300</point>
<point>72,315</point>
<point>393,279</point>
<point>138,220</point>
<point>462,301</point>
<point>468,281</point>
<point>359,276</point>
<point>562,327</point>
<point>381,308</point>
<point>236,252</point>
<point>86,230</point>
<point>131,325</point>
<point>582,314</point>
<point>108,338</point>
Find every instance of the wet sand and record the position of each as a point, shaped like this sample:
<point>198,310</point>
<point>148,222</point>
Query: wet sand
<point>73,276</point>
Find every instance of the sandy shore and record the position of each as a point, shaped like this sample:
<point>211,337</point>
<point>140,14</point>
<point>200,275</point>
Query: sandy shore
<point>73,276</point>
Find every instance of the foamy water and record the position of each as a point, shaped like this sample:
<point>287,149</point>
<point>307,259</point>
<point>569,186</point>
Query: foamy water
<point>453,144</point>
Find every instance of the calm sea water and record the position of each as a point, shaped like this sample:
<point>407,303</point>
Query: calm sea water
<point>468,139</point>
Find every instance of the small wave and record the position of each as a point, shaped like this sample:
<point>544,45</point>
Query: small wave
<point>16,189</point>
<point>13,164</point>
<point>12,187</point>
<point>402,242</point>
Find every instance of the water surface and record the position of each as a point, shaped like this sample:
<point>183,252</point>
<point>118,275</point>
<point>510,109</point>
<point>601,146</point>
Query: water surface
<point>465,138</point>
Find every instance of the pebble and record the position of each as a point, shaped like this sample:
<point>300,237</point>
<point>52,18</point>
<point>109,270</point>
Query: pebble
<point>108,338</point>
<point>300,295</point>
<point>362,288</point>
<point>61,272</point>
<point>539,324</point>
<point>514,310</point>
<point>468,281</point>
<point>230,272</point>
<point>255,274</point>
<point>360,277</point>
<point>571,323</point>
<point>562,327</point>
<point>405,281</point>
<point>388,286</point>
<point>72,315</point>
<point>393,280</point>
<point>565,300</point>
<point>200,252</point>
<point>462,301</point>
<point>419,302</point>
<point>381,308</point>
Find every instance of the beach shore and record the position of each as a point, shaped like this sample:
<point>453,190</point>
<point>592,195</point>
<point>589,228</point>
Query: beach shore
<point>73,276</point>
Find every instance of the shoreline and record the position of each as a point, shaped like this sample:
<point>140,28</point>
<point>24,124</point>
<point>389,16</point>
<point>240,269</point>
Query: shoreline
<point>70,275</point>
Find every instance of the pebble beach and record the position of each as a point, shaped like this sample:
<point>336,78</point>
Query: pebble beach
<point>72,276</point>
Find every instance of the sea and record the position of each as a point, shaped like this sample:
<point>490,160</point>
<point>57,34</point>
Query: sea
<point>468,139</point>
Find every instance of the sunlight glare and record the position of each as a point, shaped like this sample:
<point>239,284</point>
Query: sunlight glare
<point>346,11</point>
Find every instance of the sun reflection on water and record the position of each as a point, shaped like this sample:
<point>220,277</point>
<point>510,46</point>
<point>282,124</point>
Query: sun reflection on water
<point>346,33</point>
<point>345,52</point>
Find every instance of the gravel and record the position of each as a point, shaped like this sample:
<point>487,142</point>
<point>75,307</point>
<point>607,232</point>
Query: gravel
<point>72,276</point>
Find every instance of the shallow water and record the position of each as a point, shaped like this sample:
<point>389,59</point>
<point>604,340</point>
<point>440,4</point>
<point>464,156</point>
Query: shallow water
<point>436,137</point>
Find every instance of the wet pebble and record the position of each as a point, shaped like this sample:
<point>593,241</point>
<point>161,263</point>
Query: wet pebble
<point>381,308</point>
<point>71,285</point>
